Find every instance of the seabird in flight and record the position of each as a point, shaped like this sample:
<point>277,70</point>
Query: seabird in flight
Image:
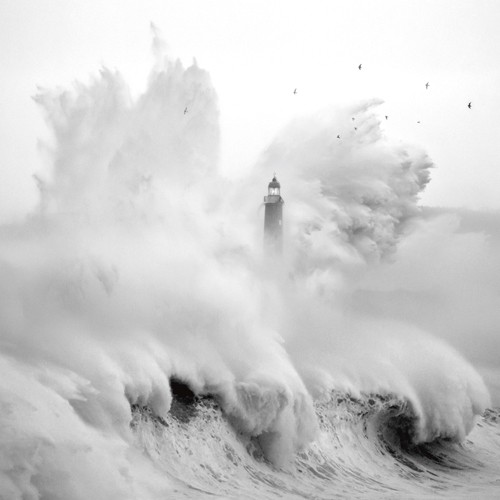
<point>386,117</point>
<point>295,91</point>
<point>469,105</point>
<point>426,85</point>
<point>338,136</point>
<point>359,67</point>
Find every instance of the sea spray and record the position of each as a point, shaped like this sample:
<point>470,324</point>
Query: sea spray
<point>142,264</point>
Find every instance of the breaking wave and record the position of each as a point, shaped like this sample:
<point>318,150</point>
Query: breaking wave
<point>365,448</point>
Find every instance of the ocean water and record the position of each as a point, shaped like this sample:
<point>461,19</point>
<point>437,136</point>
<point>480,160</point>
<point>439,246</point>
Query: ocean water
<point>150,348</point>
<point>364,450</point>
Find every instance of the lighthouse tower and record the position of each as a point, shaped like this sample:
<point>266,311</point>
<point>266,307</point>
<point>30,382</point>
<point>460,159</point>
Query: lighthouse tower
<point>273,218</point>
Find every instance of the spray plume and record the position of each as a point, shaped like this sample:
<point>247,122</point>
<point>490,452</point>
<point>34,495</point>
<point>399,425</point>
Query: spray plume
<point>138,267</point>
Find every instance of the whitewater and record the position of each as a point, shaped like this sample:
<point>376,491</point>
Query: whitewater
<point>151,349</point>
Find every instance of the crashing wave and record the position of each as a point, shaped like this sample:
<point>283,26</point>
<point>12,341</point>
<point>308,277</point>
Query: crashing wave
<point>366,445</point>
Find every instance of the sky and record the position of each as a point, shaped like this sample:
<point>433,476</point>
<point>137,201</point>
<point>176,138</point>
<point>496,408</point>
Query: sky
<point>257,53</point>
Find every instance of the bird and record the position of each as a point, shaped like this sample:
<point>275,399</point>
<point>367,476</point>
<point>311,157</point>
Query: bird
<point>353,118</point>
<point>359,67</point>
<point>295,91</point>
<point>427,85</point>
<point>355,128</point>
<point>338,136</point>
<point>418,121</point>
<point>185,110</point>
<point>386,117</point>
<point>469,105</point>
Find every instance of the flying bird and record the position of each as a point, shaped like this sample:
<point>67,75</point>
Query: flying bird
<point>359,67</point>
<point>386,117</point>
<point>338,136</point>
<point>295,91</point>
<point>185,110</point>
<point>418,122</point>
<point>427,85</point>
<point>355,128</point>
<point>353,118</point>
<point>469,105</point>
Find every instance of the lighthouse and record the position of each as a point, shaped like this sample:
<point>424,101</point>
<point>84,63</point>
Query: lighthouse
<point>273,218</point>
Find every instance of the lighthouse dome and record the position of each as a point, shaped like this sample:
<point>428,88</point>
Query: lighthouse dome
<point>274,183</point>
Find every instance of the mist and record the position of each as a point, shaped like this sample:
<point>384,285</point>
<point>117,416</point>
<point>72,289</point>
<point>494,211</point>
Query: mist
<point>142,262</point>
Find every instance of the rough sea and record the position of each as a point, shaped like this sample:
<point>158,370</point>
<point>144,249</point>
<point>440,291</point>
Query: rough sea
<point>364,449</point>
<point>151,349</point>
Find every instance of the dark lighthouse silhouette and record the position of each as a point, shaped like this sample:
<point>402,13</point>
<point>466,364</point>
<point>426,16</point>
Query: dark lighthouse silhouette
<point>273,219</point>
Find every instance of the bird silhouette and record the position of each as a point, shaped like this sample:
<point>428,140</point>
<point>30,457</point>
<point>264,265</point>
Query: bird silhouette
<point>353,118</point>
<point>427,85</point>
<point>359,67</point>
<point>386,117</point>
<point>418,122</point>
<point>185,110</point>
<point>355,128</point>
<point>295,91</point>
<point>338,136</point>
<point>469,105</point>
